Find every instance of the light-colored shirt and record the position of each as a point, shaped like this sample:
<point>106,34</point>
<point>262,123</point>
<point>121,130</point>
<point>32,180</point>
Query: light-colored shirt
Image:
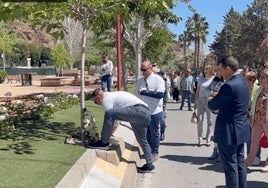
<point>177,82</point>
<point>154,83</point>
<point>106,68</point>
<point>187,83</point>
<point>118,99</point>
<point>203,83</point>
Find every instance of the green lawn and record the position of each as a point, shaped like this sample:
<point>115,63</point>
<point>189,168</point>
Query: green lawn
<point>35,156</point>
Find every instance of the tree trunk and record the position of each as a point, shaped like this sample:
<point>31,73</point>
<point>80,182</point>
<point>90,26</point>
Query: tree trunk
<point>137,49</point>
<point>82,77</point>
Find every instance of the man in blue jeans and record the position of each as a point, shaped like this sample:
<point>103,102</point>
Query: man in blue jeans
<point>106,70</point>
<point>187,86</point>
<point>151,89</point>
<point>124,106</point>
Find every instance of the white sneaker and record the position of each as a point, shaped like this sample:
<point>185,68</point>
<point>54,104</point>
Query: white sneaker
<point>257,161</point>
<point>264,169</point>
<point>154,157</point>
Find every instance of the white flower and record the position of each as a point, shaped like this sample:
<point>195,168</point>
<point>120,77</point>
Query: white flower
<point>19,102</point>
<point>69,96</point>
<point>45,99</point>
<point>75,96</point>
<point>3,109</point>
<point>50,105</point>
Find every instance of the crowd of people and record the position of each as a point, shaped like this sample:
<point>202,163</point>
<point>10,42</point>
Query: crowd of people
<point>235,103</point>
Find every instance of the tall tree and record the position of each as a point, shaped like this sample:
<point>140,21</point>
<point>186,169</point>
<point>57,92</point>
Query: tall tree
<point>60,57</point>
<point>73,38</point>
<point>185,41</point>
<point>143,17</point>
<point>197,27</point>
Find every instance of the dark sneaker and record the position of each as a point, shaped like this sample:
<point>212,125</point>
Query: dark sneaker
<point>146,169</point>
<point>99,145</point>
<point>162,137</point>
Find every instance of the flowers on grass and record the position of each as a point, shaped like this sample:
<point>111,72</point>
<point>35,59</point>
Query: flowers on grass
<point>14,112</point>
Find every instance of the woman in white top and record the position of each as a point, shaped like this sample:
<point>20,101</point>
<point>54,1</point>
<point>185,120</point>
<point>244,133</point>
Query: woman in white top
<point>201,104</point>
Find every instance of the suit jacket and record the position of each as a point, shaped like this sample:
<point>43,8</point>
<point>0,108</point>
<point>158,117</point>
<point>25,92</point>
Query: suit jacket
<point>232,127</point>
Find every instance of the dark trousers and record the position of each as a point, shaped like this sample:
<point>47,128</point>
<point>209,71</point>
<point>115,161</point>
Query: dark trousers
<point>233,163</point>
<point>176,94</point>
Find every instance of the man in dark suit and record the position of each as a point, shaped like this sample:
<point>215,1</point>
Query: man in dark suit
<point>232,128</point>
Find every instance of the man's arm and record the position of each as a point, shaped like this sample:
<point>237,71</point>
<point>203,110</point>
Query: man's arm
<point>153,94</point>
<point>222,99</point>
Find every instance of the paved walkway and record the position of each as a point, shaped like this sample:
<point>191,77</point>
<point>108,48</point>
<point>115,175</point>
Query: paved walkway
<point>182,164</point>
<point>17,89</point>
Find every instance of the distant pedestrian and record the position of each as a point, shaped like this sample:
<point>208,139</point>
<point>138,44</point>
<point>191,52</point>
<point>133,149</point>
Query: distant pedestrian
<point>151,89</point>
<point>214,88</point>
<point>187,88</point>
<point>163,123</point>
<point>251,78</point>
<point>232,127</point>
<point>106,70</point>
<point>259,118</point>
<point>201,104</point>
<point>176,87</point>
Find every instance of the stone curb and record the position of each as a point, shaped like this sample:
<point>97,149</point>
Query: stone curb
<point>112,168</point>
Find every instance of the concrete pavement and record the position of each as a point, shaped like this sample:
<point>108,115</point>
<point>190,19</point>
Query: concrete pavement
<point>182,164</point>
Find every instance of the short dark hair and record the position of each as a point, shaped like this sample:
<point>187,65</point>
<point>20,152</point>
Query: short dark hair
<point>229,61</point>
<point>104,54</point>
<point>96,92</point>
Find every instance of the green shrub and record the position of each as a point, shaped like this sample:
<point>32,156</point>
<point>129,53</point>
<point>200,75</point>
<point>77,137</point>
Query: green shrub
<point>3,75</point>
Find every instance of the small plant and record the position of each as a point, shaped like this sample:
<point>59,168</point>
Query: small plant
<point>3,76</point>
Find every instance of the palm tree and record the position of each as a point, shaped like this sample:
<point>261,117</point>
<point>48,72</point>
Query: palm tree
<point>197,27</point>
<point>185,43</point>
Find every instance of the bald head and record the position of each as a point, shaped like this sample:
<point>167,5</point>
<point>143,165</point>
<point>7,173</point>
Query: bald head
<point>146,64</point>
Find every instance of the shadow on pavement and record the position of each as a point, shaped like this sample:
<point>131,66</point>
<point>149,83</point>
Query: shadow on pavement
<point>177,144</point>
<point>251,184</point>
<point>211,165</point>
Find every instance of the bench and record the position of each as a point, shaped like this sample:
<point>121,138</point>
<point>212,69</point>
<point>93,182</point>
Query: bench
<point>11,78</point>
<point>55,81</point>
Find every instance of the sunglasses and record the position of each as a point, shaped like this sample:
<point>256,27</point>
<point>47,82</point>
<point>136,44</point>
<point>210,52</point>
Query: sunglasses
<point>143,70</point>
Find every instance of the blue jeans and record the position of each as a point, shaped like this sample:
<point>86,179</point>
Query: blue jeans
<point>106,82</point>
<point>233,162</point>
<point>186,95</point>
<point>153,132</point>
<point>163,122</point>
<point>139,118</point>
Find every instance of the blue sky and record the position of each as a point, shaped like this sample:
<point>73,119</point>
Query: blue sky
<point>213,10</point>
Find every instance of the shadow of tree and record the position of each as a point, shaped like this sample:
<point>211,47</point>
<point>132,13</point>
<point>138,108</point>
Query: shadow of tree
<point>212,165</point>
<point>20,139</point>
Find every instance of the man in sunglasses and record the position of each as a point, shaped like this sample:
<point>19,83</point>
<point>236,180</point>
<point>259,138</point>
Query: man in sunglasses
<point>151,89</point>
<point>124,106</point>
